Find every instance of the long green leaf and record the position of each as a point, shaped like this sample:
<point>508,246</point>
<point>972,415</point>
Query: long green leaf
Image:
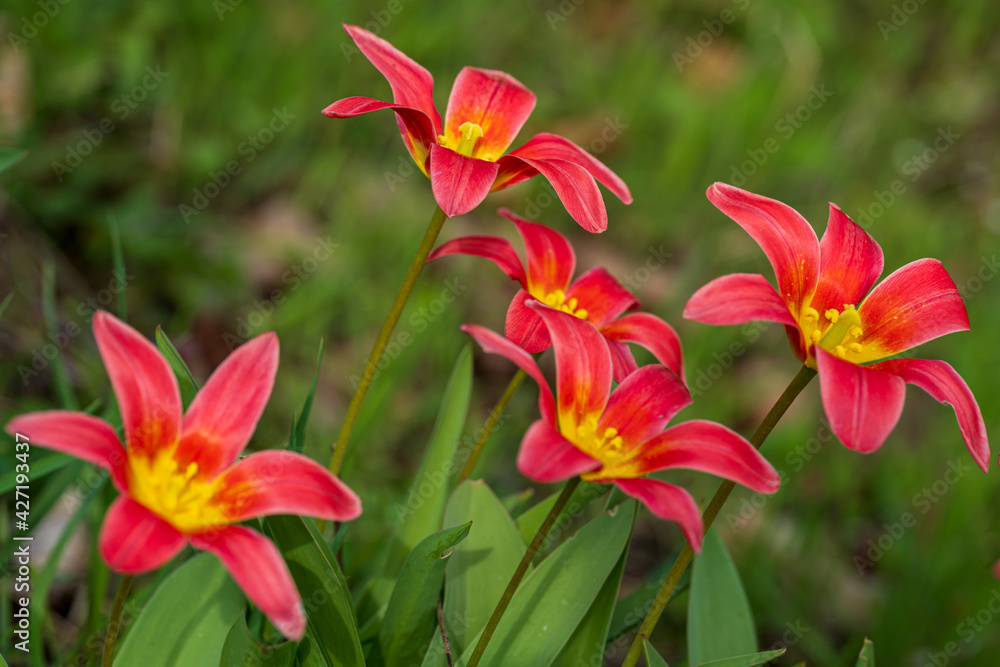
<point>480,568</point>
<point>5,303</point>
<point>11,156</point>
<point>187,619</point>
<point>60,376</point>
<point>188,385</point>
<point>529,522</point>
<point>653,659</point>
<point>40,467</point>
<point>631,609</point>
<point>720,624</point>
<point>423,510</point>
<point>298,442</point>
<point>242,649</point>
<point>867,656</point>
<point>411,611</point>
<point>332,626</point>
<point>554,598</point>
<point>586,645</point>
<point>745,660</point>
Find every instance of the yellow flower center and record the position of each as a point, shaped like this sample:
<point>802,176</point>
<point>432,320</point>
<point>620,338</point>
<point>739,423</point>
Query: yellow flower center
<point>606,445</point>
<point>834,331</point>
<point>469,135</point>
<point>180,497</point>
<point>557,300</point>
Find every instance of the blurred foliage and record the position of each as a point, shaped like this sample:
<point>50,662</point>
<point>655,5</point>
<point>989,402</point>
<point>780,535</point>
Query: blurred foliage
<point>132,111</point>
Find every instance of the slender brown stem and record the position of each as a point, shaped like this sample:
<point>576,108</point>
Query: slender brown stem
<point>491,424</point>
<point>522,568</point>
<point>115,622</point>
<point>371,367</point>
<point>444,635</point>
<point>797,384</point>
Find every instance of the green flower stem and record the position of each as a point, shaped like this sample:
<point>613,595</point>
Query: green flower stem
<point>522,568</point>
<point>797,384</point>
<point>115,622</point>
<point>430,236</point>
<point>491,424</point>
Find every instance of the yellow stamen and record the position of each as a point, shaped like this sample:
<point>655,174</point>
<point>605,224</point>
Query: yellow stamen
<point>811,314</point>
<point>832,315</point>
<point>178,496</point>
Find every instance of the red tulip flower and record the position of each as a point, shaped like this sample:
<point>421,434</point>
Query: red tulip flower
<point>838,324</point>
<point>177,478</point>
<point>618,437</point>
<point>464,157</point>
<point>595,296</point>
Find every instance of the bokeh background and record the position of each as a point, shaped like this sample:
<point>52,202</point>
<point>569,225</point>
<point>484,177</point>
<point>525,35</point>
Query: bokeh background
<point>132,111</point>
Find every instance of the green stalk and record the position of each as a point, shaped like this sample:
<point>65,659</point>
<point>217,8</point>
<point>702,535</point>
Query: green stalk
<point>115,622</point>
<point>797,384</point>
<point>522,568</point>
<point>491,424</point>
<point>430,236</point>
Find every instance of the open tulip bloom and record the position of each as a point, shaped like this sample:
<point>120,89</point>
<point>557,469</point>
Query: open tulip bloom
<point>618,437</point>
<point>838,324</point>
<point>177,477</point>
<point>464,157</point>
<point>595,296</point>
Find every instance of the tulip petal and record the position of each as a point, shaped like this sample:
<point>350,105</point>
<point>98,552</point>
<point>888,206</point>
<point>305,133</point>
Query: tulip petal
<point>668,502</point>
<point>497,250</point>
<point>786,238</point>
<point>850,263</point>
<point>946,386</point>
<point>736,299</point>
<point>415,126</point>
<point>135,540</point>
<point>546,456</point>
<point>224,414</point>
<point>494,343</point>
<point>914,304</point>
<point>573,184</point>
<point>459,183</point>
<point>652,333</point>
<point>863,404</point>
<point>282,482</point>
<point>622,361</point>
<point>643,404</point>
<point>545,146</point>
<point>258,568</point>
<point>493,100</point>
<point>583,367</point>
<point>524,327</point>
<point>149,399</point>
<point>708,447</point>
<point>78,434</point>
<point>551,260</point>
<point>603,297</point>
<point>412,85</point>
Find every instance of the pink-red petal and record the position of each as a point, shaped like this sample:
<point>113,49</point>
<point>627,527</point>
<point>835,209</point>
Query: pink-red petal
<point>415,126</point>
<point>81,435</point>
<point>459,183</point>
<point>736,299</point>
<point>224,414</point>
<point>643,404</point>
<point>134,540</point>
<point>149,399</point>
<point>863,404</point>
<point>668,502</point>
<point>546,146</point>
<point>574,185</point>
<point>652,333</point>
<point>258,568</point>
<point>603,297</point>
<point>914,304</point>
<point>546,456</point>
<point>497,250</point>
<point>943,383</point>
<point>412,85</point>
<point>494,343</point>
<point>283,482</point>
<point>850,263</point>
<point>583,367</point>
<point>551,260</point>
<point>708,447</point>
<point>622,361</point>
<point>524,327</point>
<point>786,238</point>
<point>493,100</point>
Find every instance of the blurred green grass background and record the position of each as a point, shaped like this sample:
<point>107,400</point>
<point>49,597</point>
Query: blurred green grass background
<point>671,95</point>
